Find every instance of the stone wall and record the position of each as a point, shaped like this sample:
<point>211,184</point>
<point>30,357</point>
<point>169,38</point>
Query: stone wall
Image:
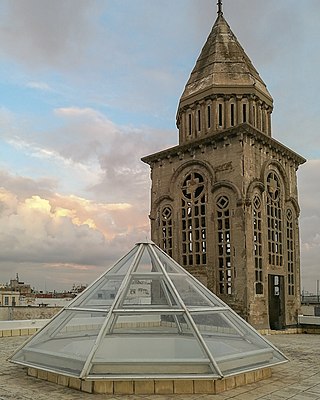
<point>23,313</point>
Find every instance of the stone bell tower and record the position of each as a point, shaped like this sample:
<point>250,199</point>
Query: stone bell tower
<point>224,201</point>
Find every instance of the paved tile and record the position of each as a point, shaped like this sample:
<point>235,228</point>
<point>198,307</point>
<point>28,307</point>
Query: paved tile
<point>297,380</point>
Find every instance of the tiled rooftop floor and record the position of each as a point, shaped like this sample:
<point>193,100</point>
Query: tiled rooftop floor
<point>297,380</point>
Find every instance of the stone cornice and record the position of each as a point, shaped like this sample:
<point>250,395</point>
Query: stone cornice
<point>221,91</point>
<point>239,131</point>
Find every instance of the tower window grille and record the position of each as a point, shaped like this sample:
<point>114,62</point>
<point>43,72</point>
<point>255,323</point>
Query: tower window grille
<point>209,116</point>
<point>166,229</point>
<point>190,124</point>
<point>199,120</point>
<point>225,268</point>
<point>244,113</point>
<point>274,217</point>
<point>232,115</point>
<point>220,118</point>
<point>193,219</point>
<point>290,253</point>
<point>257,244</point>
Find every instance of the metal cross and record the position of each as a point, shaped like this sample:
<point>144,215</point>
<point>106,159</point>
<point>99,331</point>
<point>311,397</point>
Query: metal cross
<point>219,4</point>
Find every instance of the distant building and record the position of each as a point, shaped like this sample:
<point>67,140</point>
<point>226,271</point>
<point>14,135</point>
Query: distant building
<point>9,298</point>
<point>224,201</point>
<point>23,288</point>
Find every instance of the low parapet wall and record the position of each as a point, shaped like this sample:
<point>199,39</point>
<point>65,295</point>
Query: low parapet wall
<point>27,313</point>
<point>21,327</point>
<point>309,320</point>
<point>307,324</point>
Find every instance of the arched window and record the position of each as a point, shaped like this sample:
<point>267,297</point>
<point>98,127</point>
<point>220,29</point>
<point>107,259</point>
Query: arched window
<point>193,220</point>
<point>290,252</point>
<point>166,229</point>
<point>225,268</point>
<point>257,244</point>
<point>274,217</point>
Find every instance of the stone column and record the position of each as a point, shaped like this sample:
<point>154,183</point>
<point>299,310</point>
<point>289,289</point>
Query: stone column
<point>226,122</point>
<point>239,103</point>
<point>259,122</point>
<point>193,122</point>
<point>208,109</point>
<point>269,122</point>
<point>214,114</point>
<point>203,117</point>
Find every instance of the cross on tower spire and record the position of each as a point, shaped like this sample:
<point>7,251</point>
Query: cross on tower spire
<point>219,4</point>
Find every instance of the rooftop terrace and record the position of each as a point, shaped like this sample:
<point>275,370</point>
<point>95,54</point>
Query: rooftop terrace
<point>297,380</point>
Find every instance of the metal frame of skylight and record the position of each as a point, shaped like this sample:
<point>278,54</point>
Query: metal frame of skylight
<point>199,287</point>
<point>205,289</point>
<point>214,366</point>
<point>108,321</point>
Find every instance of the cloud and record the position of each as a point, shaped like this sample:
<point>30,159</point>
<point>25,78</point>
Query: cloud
<point>39,86</point>
<point>24,187</point>
<point>96,152</point>
<point>66,231</point>
<point>105,76</point>
<point>309,186</point>
<point>42,228</point>
<point>42,33</point>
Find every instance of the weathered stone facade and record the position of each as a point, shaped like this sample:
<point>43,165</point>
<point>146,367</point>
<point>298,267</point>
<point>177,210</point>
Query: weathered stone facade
<point>224,201</point>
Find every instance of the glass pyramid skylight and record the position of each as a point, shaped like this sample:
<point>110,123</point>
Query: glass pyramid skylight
<point>147,317</point>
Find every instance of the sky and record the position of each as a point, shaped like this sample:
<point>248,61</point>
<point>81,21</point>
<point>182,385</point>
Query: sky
<point>88,87</point>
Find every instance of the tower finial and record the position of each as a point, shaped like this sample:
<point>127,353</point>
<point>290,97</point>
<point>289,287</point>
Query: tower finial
<point>219,4</point>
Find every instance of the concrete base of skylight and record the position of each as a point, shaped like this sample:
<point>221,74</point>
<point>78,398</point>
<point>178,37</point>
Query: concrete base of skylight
<point>174,386</point>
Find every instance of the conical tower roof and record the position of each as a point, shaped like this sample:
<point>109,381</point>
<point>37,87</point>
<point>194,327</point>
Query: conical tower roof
<point>223,90</point>
<point>223,64</point>
<point>147,317</point>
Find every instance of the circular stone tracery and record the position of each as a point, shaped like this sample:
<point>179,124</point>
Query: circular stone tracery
<point>193,186</point>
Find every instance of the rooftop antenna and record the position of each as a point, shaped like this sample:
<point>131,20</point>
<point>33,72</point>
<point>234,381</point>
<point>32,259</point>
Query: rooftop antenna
<point>219,4</point>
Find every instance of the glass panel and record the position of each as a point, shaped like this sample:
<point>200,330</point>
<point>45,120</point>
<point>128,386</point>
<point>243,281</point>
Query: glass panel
<point>150,344</point>
<point>148,292</point>
<point>147,263</point>
<point>234,345</point>
<point>191,293</point>
<point>123,265</point>
<point>167,263</point>
<point>102,295</point>
<point>210,324</point>
<point>151,323</point>
<point>107,286</point>
<point>64,344</point>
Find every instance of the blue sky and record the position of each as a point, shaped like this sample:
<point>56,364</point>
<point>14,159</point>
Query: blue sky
<point>88,87</point>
